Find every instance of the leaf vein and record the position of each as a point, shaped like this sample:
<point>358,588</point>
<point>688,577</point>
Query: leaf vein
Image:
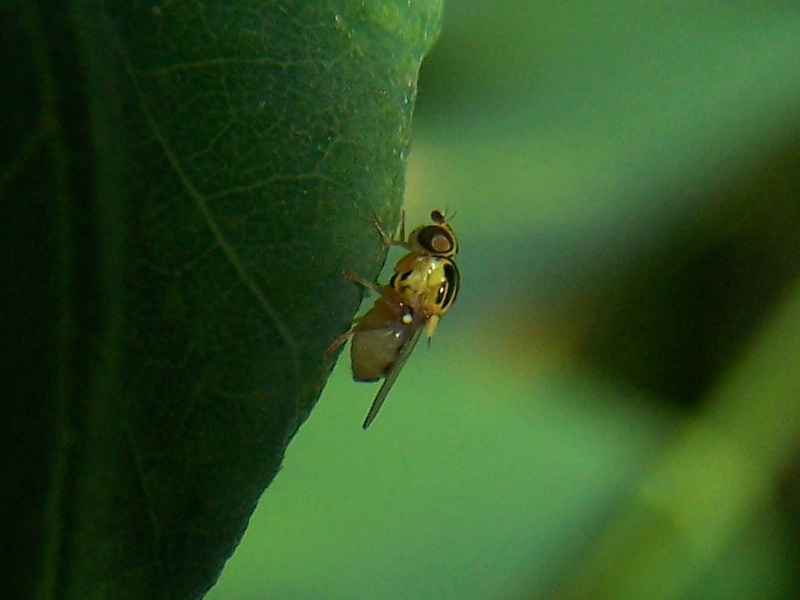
<point>201,202</point>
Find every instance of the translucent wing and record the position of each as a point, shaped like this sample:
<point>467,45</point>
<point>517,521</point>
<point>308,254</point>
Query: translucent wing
<point>391,375</point>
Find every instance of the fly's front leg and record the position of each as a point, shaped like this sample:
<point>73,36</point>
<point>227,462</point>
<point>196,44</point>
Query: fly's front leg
<point>403,227</point>
<point>342,339</point>
<point>388,239</point>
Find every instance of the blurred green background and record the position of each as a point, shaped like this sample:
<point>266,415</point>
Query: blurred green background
<point>612,408</point>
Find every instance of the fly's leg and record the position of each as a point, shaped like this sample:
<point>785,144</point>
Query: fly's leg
<point>403,227</point>
<point>362,282</point>
<point>342,339</point>
<point>388,239</point>
<point>387,292</point>
<point>335,344</point>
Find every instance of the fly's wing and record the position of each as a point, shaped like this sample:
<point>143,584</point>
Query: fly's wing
<point>391,375</point>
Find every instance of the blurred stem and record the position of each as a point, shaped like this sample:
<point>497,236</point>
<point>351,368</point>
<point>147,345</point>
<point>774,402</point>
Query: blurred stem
<point>713,480</point>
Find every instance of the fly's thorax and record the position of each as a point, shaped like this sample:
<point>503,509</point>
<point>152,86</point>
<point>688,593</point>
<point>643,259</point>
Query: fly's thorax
<point>430,281</point>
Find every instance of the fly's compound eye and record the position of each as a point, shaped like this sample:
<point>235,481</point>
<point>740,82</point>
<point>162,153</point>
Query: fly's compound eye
<point>437,240</point>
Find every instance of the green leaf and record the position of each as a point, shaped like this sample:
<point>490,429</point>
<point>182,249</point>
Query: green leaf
<point>182,185</point>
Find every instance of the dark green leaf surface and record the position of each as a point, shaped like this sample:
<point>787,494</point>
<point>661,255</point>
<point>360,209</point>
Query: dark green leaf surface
<point>182,184</point>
